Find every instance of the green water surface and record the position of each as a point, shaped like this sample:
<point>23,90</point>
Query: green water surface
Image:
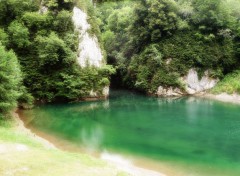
<point>188,130</point>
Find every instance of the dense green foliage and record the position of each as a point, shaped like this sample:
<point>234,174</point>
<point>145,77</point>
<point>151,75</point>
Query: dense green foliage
<point>150,42</point>
<point>155,42</point>
<point>10,80</point>
<point>230,84</point>
<point>45,45</point>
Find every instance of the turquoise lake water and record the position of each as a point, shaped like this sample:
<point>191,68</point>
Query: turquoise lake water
<point>187,131</point>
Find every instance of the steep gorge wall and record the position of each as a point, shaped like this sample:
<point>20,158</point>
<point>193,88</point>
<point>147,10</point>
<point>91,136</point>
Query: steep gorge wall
<point>57,46</point>
<point>89,51</point>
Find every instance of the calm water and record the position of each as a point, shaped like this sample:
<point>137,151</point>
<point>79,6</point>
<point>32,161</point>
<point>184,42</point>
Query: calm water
<point>187,131</point>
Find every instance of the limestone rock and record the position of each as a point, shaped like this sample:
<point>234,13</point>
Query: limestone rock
<point>43,9</point>
<point>93,94</point>
<point>105,91</point>
<point>168,92</point>
<point>89,51</point>
<point>194,85</point>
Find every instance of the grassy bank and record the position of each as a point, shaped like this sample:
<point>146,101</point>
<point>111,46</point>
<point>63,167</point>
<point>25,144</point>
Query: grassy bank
<point>230,84</point>
<point>22,153</point>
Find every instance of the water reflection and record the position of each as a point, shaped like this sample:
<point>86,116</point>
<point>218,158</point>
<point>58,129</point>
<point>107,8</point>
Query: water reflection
<point>187,129</point>
<point>92,138</point>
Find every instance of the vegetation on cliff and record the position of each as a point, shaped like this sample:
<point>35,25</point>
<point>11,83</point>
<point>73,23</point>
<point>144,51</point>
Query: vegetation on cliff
<point>150,42</point>
<point>155,42</point>
<point>41,37</point>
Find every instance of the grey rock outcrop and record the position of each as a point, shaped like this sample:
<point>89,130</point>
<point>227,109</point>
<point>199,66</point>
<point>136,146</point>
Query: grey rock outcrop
<point>43,9</point>
<point>193,85</point>
<point>89,50</point>
<point>169,92</point>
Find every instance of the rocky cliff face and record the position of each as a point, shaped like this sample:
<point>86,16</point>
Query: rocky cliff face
<point>43,9</point>
<point>169,91</point>
<point>193,85</point>
<point>89,51</point>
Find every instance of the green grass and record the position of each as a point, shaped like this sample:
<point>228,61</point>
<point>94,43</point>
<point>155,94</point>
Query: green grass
<point>230,84</point>
<point>35,159</point>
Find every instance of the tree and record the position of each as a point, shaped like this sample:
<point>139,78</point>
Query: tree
<point>154,19</point>
<point>53,52</point>
<point>10,79</point>
<point>36,21</point>
<point>19,35</point>
<point>210,15</point>
<point>63,22</point>
<point>58,4</point>
<point>12,9</point>
<point>3,37</point>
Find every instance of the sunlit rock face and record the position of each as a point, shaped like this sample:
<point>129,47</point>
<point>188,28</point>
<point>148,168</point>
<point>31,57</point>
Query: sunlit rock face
<point>89,52</point>
<point>105,91</point>
<point>193,85</point>
<point>43,9</point>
